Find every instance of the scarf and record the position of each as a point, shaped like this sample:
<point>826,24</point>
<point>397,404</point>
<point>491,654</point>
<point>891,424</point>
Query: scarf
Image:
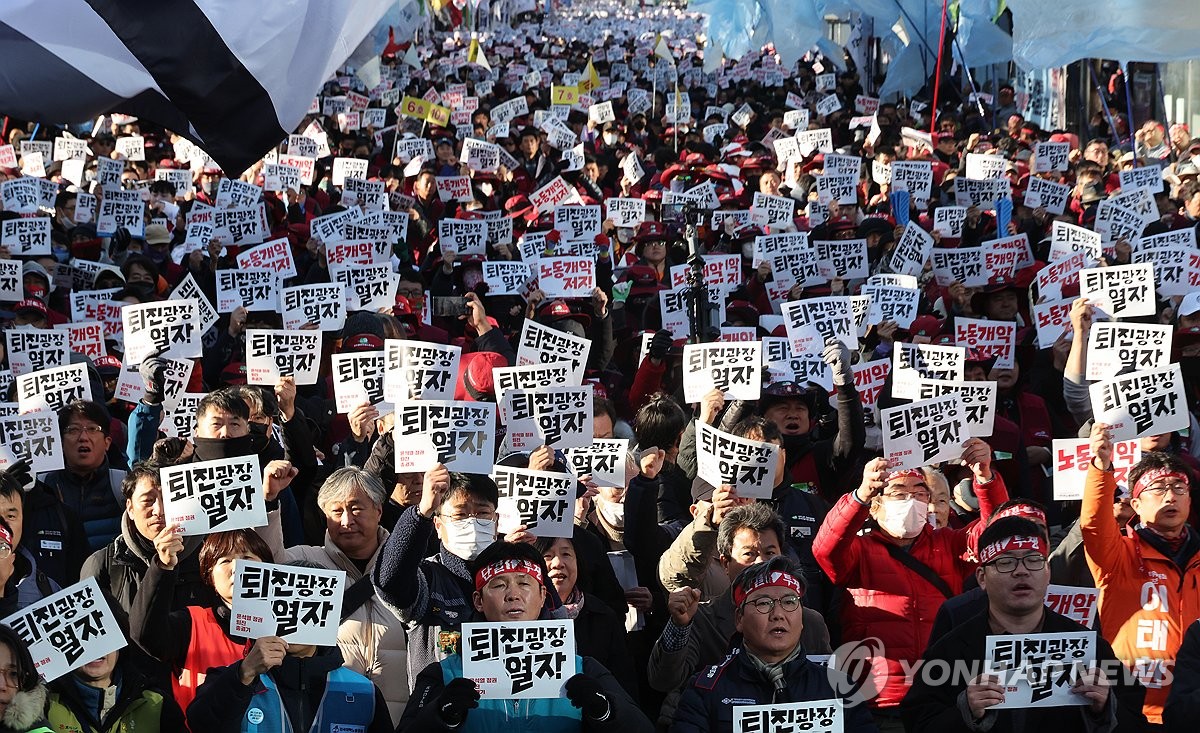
<point>573,604</point>
<point>773,673</point>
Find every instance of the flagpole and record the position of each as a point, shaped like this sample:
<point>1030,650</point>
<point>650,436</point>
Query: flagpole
<point>1112,126</point>
<point>937,80</point>
<point>1129,107</point>
<point>676,128</point>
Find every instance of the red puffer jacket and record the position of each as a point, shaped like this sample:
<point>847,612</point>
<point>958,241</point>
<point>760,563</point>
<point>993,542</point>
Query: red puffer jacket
<point>883,598</point>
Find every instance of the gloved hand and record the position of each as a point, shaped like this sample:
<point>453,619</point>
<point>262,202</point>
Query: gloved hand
<point>17,475</point>
<point>660,345</point>
<point>586,694</point>
<point>459,697</point>
<point>837,356</point>
<point>154,374</point>
<point>120,240</point>
<point>734,412</point>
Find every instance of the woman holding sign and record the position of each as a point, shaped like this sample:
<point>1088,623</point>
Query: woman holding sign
<point>197,638</point>
<point>510,587</point>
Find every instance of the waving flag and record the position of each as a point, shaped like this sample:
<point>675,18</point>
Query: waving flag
<point>1055,34</point>
<point>234,78</point>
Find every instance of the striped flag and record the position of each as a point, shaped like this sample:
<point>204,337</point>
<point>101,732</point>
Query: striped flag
<point>235,82</point>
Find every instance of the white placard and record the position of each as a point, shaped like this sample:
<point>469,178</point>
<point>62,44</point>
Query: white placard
<point>519,660</point>
<point>566,277</point>
<point>1075,602</point>
<point>989,338</point>
<point>322,304</point>
<point>271,354</point>
<point>53,389</point>
<point>560,417</point>
<point>817,716</point>
<point>1072,456</point>
<point>68,629</point>
<point>419,370</point>
<point>1150,402</point>
<point>1115,347</point>
<point>172,325</point>
<point>357,379</point>
<point>459,435</point>
<point>34,349</point>
<point>604,460</point>
<point>254,290</point>
<point>925,432</point>
<point>540,501</point>
<point>541,344</point>
<point>1121,291</point>
<point>978,398</point>
<point>735,369</point>
<point>274,255</point>
<point>298,604</point>
<point>34,436</point>
<point>214,496</point>
<point>1038,670</point>
<point>747,465</point>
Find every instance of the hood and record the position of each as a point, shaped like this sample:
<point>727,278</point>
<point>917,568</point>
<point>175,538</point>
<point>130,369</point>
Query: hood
<point>143,548</point>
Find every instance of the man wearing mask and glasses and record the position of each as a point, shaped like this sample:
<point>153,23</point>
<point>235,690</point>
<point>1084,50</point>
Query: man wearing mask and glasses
<point>895,575</point>
<point>1013,572</point>
<point>432,595</point>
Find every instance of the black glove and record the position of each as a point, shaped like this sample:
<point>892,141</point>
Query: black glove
<point>586,694</point>
<point>459,697</point>
<point>120,240</point>
<point>660,345</point>
<point>154,374</point>
<point>16,475</point>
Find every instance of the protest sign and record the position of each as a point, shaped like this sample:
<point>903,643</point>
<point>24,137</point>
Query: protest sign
<point>323,305</point>
<point>842,258</point>
<point>540,501</point>
<point>768,246</point>
<point>625,212</point>
<point>566,277</point>
<point>1176,269</point>
<point>1052,320</point>
<point>963,265</point>
<point>419,370</point>
<point>234,193</point>
<point>747,465</point>
<point>68,629</point>
<point>989,339</point>
<point>298,604</point>
<point>1050,156</point>
<point>1075,602</point>
<point>1116,347</point>
<point>890,303</point>
<point>34,349</point>
<point>522,660</point>
<point>735,369</point>
<point>53,389</point>
<point>604,460</point>
<point>1051,196</point>
<point>556,416</point>
<point>26,237</point>
<point>916,177</point>
<point>577,223</point>
<point>1144,403</point>
<point>271,354</point>
<point>1120,291</point>
<point>214,496</point>
<point>179,420</point>
<point>912,251</point>
<point>1057,276</point>
<point>464,238</point>
<point>367,287</point>
<point>132,388</point>
<point>1068,239</point>
<point>254,290</point>
<point>948,220</point>
<point>34,436</point>
<point>925,432</point>
<point>812,322</point>
<point>275,255</point>
<point>924,361</point>
<point>1072,456</point>
<point>984,194</point>
<point>459,435</point>
<point>357,379</point>
<point>544,345</point>
<point>1039,670</point>
<point>768,210</point>
<point>169,327</point>
<point>507,277</point>
<point>11,283</point>
<point>978,399</point>
<point>816,716</point>
<point>983,166</point>
<point>869,378</point>
<point>1147,177</point>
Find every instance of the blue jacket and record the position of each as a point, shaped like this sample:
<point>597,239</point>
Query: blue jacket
<point>709,698</point>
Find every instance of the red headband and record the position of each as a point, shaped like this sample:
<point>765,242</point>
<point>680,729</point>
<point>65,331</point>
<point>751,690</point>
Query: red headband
<point>1012,544</point>
<point>484,575</point>
<point>904,473</point>
<point>776,579</point>
<point>1022,510</point>
<point>1155,474</point>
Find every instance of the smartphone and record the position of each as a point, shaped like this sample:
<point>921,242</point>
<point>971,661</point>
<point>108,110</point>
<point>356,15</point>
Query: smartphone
<point>448,306</point>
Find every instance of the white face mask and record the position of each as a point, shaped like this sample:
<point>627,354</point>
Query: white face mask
<point>610,139</point>
<point>612,511</point>
<point>904,518</point>
<point>466,538</point>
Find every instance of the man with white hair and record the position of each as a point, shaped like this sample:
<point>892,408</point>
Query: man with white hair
<point>371,637</point>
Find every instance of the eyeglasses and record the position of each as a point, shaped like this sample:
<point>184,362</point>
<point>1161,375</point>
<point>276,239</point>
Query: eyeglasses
<point>5,551</point>
<point>1161,491</point>
<point>766,605</point>
<point>906,495</point>
<point>12,676</point>
<point>1009,564</point>
<point>73,431</point>
<point>484,516</point>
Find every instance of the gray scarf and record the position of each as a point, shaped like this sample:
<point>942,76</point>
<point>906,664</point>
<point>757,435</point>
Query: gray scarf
<point>773,673</point>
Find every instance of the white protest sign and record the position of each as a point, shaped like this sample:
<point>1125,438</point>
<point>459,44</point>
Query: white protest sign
<point>214,496</point>
<point>924,432</point>
<point>274,255</point>
<point>604,460</point>
<point>1049,195</point>
<point>344,168</point>
<point>747,465</point>
<point>34,436</point>
<point>1115,347</point>
<point>768,210</point>
<point>459,435</point>
<point>11,285</point>
<point>625,212</point>
<point>541,501</point>
<point>172,325</point>
<point>869,379</point>
<point>271,354</point>
<point>577,223</point>
<point>298,604</point>
<point>1146,177</point>
<point>357,379</point>
<point>816,716</point>
<point>132,388</point>
<point>367,287</point>
<point>889,303</point>
<point>419,370</point>
<point>566,277</point>
<point>947,220</point>
<point>541,344</point>
<point>988,338</point>
<point>1121,291</point>
<point>912,251</point>
<point>463,237</point>
<point>254,290</point>
<point>1049,156</point>
<point>1075,602</point>
<point>322,304</point>
<point>26,237</point>
<point>984,194</point>
<point>963,265</point>
<point>982,166</point>
<point>68,629</point>
<point>560,417</point>
<point>1072,456</point>
<point>1039,670</point>
<point>505,277</point>
<point>812,322</point>
<point>518,660</point>
<point>34,349</point>
<point>1149,402</point>
<point>735,369</point>
<point>1052,320</point>
<point>53,389</point>
<point>1068,239</point>
<point>978,398</point>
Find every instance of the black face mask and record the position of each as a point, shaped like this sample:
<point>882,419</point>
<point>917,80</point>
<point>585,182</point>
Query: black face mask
<point>143,291</point>
<point>212,449</point>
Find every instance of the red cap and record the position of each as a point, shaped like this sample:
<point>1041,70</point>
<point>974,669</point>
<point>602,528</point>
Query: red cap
<point>32,304</point>
<point>403,307</point>
<point>928,326</point>
<point>107,362</point>
<point>475,382</point>
<point>557,310</point>
<point>650,230</point>
<point>363,342</point>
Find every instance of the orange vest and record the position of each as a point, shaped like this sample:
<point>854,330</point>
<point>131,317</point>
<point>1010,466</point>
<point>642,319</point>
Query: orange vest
<point>209,647</point>
<point>1146,603</point>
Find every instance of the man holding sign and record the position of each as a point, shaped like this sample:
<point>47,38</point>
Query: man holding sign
<point>1014,573</point>
<point>510,588</point>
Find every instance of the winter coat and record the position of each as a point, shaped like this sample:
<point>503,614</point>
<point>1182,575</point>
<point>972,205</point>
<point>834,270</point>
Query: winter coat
<point>120,566</point>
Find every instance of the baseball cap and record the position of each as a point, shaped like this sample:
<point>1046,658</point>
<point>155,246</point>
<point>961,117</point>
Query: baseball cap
<point>1190,304</point>
<point>363,342</point>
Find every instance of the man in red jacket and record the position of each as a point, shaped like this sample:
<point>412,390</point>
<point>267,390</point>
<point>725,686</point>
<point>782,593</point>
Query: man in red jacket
<point>896,574</point>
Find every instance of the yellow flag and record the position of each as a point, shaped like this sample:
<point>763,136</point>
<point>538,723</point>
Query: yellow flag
<point>590,79</point>
<point>414,107</point>
<point>438,115</point>
<point>475,55</point>
<point>564,95</point>
<point>662,50</point>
